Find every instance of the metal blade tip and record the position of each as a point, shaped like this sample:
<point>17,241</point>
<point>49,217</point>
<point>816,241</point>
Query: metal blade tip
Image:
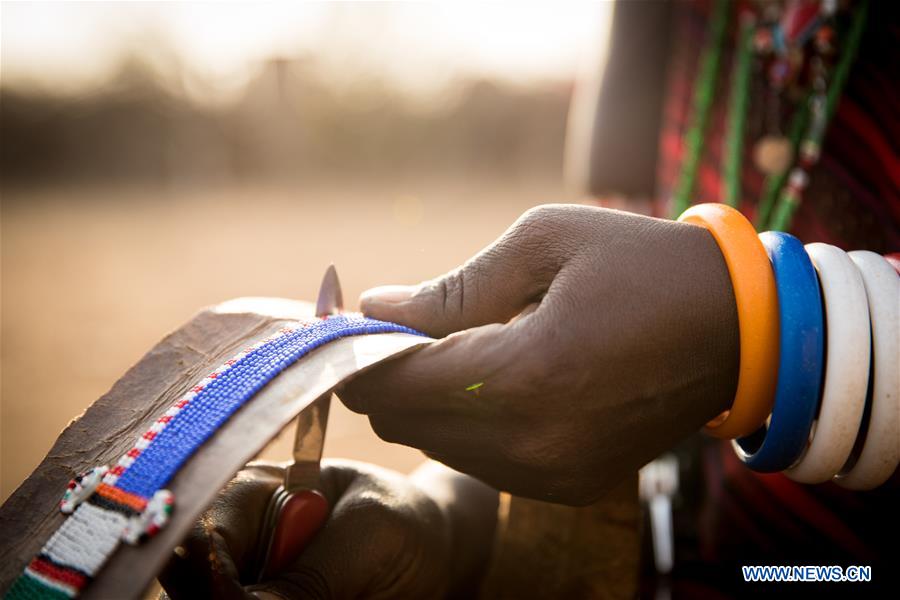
<point>331,299</point>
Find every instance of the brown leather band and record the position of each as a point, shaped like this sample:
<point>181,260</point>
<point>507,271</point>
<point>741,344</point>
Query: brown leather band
<point>109,427</point>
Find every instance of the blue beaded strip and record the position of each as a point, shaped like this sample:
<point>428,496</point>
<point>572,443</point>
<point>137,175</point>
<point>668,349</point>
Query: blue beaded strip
<point>219,399</point>
<point>800,363</point>
<point>128,503</point>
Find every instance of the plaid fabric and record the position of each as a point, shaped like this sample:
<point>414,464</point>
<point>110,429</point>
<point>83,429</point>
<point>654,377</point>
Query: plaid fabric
<point>854,196</point>
<point>853,202</point>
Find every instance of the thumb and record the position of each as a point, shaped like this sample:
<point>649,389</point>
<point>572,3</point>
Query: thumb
<point>492,287</point>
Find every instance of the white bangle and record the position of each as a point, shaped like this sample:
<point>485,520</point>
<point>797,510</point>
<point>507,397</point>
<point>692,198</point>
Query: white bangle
<point>881,450</point>
<point>848,348</point>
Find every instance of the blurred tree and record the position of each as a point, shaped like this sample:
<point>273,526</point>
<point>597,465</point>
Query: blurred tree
<point>287,124</point>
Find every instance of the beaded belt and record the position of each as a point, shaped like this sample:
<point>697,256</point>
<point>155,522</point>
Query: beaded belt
<point>127,502</point>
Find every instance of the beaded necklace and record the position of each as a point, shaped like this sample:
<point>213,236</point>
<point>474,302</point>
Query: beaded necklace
<point>782,41</point>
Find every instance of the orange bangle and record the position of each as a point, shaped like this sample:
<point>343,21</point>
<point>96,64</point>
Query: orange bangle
<point>757,308</point>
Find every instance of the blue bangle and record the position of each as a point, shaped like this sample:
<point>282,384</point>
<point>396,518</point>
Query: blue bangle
<point>801,356</point>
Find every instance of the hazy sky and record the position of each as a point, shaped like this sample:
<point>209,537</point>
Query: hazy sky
<point>420,47</point>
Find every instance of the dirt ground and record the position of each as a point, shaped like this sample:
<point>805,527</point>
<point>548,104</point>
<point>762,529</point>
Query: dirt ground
<point>92,278</point>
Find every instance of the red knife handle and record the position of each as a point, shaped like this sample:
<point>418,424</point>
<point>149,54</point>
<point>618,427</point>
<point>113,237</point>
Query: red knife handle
<point>301,516</point>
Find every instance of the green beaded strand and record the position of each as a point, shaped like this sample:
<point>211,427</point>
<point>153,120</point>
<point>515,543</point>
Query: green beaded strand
<point>704,91</point>
<point>738,108</point>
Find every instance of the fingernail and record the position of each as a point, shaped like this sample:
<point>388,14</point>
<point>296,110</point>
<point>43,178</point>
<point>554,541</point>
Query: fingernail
<point>388,294</point>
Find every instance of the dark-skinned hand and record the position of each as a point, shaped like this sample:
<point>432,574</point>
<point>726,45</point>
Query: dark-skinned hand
<point>386,537</point>
<point>576,347</point>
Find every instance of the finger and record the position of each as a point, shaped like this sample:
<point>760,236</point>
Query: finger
<point>461,435</point>
<point>364,549</point>
<point>465,373</point>
<point>526,480</point>
<point>202,567</point>
<point>492,287</point>
<point>211,561</point>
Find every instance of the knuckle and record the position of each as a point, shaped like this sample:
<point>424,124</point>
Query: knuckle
<point>453,291</point>
<point>541,214</point>
<point>386,429</point>
<point>553,443</point>
<point>302,581</point>
<point>353,397</point>
<point>440,300</point>
<point>538,224</point>
<point>541,370</point>
<point>570,483</point>
<point>538,242</point>
<point>196,542</point>
<point>394,525</point>
<point>577,493</point>
<point>534,444</point>
<point>581,481</point>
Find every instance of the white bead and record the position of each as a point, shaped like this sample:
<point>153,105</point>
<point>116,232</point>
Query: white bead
<point>799,179</point>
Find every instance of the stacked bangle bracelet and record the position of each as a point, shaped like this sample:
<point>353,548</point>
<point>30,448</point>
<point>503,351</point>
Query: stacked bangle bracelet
<point>757,310</point>
<point>881,450</point>
<point>846,369</point>
<point>801,349</point>
<point>819,343</point>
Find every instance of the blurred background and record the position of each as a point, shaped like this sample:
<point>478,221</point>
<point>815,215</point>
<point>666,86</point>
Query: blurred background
<point>161,157</point>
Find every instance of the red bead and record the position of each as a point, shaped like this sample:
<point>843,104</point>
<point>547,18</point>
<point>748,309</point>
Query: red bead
<point>824,39</point>
<point>762,40</point>
<point>825,34</point>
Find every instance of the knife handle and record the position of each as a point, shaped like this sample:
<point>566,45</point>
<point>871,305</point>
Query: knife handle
<point>302,515</point>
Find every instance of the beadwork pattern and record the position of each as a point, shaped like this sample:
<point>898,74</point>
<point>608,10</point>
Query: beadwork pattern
<point>129,502</point>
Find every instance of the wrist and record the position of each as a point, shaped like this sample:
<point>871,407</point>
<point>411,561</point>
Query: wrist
<point>712,357</point>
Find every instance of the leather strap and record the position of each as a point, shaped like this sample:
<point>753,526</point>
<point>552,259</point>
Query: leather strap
<point>167,372</point>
